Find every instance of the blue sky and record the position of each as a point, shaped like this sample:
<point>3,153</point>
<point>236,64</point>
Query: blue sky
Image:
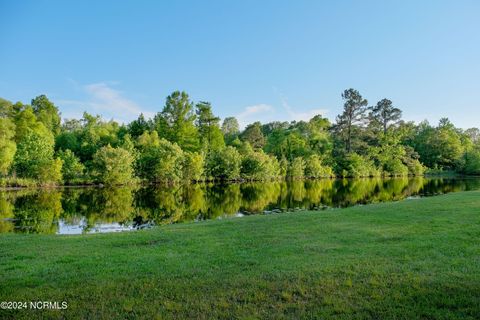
<point>257,60</point>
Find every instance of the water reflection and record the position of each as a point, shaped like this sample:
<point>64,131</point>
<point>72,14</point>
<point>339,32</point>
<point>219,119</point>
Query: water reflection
<point>84,210</point>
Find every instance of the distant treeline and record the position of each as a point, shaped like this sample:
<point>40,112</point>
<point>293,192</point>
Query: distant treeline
<point>186,142</point>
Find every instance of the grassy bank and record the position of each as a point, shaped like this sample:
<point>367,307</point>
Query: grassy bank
<point>411,259</point>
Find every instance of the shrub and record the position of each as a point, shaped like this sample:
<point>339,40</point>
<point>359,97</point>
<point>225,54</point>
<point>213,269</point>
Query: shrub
<point>315,169</point>
<point>259,166</point>
<point>113,166</point>
<point>72,169</point>
<point>50,173</point>
<point>354,165</point>
<point>224,164</point>
<point>34,158</point>
<point>415,167</point>
<point>472,163</point>
<point>394,167</point>
<point>296,168</point>
<point>161,162</point>
<point>7,145</point>
<point>193,166</point>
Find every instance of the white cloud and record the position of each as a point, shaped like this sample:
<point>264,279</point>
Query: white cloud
<point>301,115</point>
<point>267,113</point>
<point>254,113</point>
<point>108,102</point>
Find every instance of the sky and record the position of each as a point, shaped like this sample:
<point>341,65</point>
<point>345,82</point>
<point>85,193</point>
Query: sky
<point>256,60</point>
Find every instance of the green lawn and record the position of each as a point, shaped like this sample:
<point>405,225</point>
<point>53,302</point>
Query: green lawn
<point>411,259</point>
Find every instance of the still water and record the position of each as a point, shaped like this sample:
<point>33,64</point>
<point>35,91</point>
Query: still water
<point>86,210</point>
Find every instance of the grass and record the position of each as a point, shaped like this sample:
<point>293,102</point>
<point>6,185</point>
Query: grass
<point>414,259</point>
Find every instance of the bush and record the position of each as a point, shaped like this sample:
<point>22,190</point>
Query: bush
<point>296,169</point>
<point>472,163</point>
<point>7,145</point>
<point>17,182</point>
<point>395,168</point>
<point>50,173</point>
<point>161,162</point>
<point>224,164</point>
<point>72,169</point>
<point>259,166</point>
<point>354,165</point>
<point>113,166</point>
<point>315,169</point>
<point>34,158</point>
<point>415,167</point>
<point>193,166</point>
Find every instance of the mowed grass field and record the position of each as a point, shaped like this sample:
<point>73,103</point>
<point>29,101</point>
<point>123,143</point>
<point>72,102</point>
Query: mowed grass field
<point>414,259</point>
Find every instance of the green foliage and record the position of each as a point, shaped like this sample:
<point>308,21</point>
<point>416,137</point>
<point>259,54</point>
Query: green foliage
<point>389,156</point>
<point>259,166</point>
<point>439,147</point>
<point>211,137</point>
<point>354,165</point>
<point>7,145</point>
<point>148,139</point>
<point>296,168</point>
<point>34,156</point>
<point>299,139</point>
<point>253,135</point>
<point>160,160</point>
<point>6,109</point>
<point>95,134</point>
<point>47,113</point>
<point>230,129</point>
<point>176,122</point>
<point>315,169</point>
<point>318,135</point>
<point>185,142</point>
<point>50,173</point>
<point>72,169</point>
<point>415,167</point>
<point>193,166</point>
<point>289,144</point>
<point>137,127</point>
<point>26,121</point>
<point>67,141</point>
<point>224,164</point>
<point>283,167</point>
<point>113,166</point>
<point>385,114</point>
<point>353,115</point>
<point>472,161</point>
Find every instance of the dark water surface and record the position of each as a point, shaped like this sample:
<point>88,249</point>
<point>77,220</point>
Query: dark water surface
<point>85,210</point>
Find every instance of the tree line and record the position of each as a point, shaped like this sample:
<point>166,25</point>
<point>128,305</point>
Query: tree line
<point>187,142</point>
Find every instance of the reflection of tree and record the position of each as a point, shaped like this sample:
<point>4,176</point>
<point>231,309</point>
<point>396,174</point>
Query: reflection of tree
<point>391,189</point>
<point>257,196</point>
<point>73,209</point>
<point>319,192</point>
<point>169,205</point>
<point>353,191</point>
<point>194,199</point>
<point>107,205</point>
<point>223,199</point>
<point>297,190</point>
<point>6,212</point>
<point>414,185</point>
<point>38,212</point>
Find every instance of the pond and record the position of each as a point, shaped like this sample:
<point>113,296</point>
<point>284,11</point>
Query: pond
<point>85,210</point>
